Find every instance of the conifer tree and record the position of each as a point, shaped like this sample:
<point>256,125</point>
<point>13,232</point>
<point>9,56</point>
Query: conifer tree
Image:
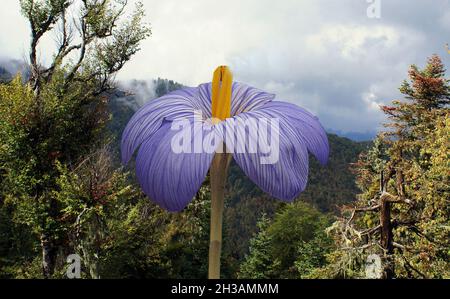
<point>402,214</point>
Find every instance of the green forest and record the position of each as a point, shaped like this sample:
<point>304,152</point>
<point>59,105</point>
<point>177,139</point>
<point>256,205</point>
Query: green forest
<point>63,189</point>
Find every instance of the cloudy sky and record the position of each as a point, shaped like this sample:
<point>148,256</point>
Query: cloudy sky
<point>329,56</point>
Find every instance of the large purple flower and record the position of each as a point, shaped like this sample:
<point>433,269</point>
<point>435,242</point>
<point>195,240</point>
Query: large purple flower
<point>172,179</point>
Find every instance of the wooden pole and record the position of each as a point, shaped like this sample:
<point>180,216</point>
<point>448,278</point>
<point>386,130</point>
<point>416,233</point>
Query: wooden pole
<point>218,177</point>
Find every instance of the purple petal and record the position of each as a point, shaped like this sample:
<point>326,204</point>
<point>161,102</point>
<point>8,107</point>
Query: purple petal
<point>287,176</point>
<point>172,179</point>
<point>148,119</point>
<point>244,98</point>
<point>306,124</point>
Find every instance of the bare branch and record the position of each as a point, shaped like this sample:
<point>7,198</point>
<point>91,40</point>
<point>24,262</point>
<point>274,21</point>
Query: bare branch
<point>413,268</point>
<point>365,246</point>
<point>366,209</point>
<point>386,197</point>
<point>370,231</point>
<point>362,209</point>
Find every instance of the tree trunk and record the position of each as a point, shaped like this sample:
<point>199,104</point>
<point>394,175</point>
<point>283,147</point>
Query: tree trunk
<point>90,260</point>
<point>218,177</point>
<point>387,239</point>
<point>49,254</point>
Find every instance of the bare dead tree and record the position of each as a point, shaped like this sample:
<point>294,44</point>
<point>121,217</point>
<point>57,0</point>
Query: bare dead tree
<point>381,233</point>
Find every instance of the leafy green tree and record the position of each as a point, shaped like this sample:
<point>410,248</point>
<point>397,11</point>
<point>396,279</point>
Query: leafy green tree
<point>425,253</point>
<point>145,241</point>
<point>312,254</point>
<point>294,226</point>
<point>283,247</point>
<point>259,263</point>
<point>57,117</point>
<point>88,195</point>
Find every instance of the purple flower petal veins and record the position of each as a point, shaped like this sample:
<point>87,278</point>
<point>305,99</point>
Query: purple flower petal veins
<point>172,179</point>
<point>148,119</point>
<point>307,126</point>
<point>287,176</point>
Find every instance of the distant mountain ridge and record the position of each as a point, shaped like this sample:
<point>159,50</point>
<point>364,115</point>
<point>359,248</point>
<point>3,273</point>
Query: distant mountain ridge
<point>5,75</point>
<point>355,136</point>
<point>10,67</point>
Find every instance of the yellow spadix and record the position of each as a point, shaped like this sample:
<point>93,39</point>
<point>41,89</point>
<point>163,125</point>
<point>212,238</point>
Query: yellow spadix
<point>221,93</point>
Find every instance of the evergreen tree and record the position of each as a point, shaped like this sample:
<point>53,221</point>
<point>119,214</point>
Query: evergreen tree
<point>402,214</point>
<point>290,246</point>
<point>259,263</point>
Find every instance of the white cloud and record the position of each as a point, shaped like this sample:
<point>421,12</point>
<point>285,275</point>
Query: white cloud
<point>327,56</point>
<point>445,20</point>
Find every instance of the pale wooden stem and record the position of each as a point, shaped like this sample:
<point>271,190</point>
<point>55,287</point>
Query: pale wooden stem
<point>218,177</point>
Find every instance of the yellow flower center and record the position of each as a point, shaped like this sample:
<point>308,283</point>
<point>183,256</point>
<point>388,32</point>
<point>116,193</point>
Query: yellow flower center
<point>221,94</point>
